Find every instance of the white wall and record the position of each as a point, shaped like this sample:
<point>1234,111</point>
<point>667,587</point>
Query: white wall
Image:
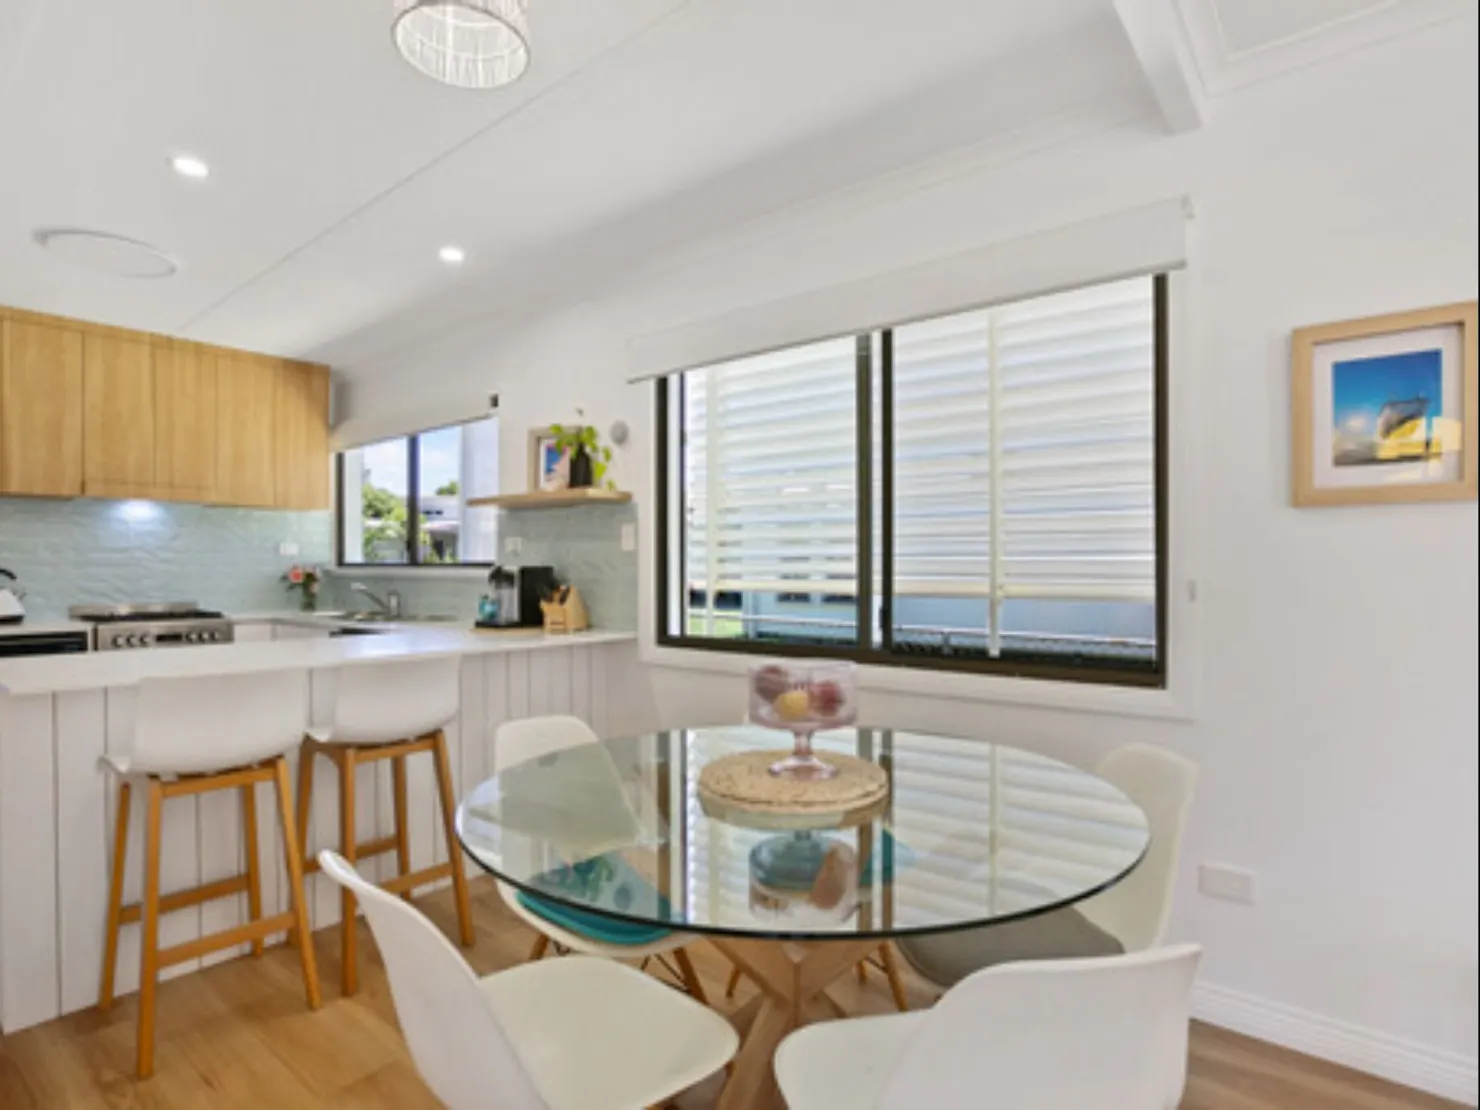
<point>1336,722</point>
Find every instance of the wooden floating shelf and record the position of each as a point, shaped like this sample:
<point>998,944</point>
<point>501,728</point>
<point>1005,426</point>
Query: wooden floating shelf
<point>554,499</point>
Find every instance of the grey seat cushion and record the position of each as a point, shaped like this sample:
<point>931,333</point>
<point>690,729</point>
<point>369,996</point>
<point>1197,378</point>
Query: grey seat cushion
<point>947,958</point>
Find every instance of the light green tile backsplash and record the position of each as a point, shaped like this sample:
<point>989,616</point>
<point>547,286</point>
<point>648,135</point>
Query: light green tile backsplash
<point>68,552</point>
<point>582,544</point>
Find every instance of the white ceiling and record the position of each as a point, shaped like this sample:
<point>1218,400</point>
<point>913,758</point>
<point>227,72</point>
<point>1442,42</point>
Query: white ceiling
<point>338,171</point>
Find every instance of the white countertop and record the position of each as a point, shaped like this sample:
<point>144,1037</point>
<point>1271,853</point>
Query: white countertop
<point>49,674</point>
<point>29,626</point>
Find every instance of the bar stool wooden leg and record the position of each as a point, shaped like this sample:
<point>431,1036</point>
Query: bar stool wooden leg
<point>403,822</point>
<point>349,849</point>
<point>149,941</point>
<point>454,849</point>
<point>733,983</point>
<point>254,867</point>
<point>294,858</point>
<point>115,894</point>
<point>305,792</point>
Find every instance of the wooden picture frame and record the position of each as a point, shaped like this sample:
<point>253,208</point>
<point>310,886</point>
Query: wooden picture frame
<point>542,458</point>
<point>1375,419</point>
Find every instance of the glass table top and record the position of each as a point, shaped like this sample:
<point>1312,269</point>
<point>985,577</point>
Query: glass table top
<point>972,833</point>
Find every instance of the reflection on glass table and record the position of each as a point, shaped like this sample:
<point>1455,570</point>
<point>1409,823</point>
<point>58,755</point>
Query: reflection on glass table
<point>971,834</point>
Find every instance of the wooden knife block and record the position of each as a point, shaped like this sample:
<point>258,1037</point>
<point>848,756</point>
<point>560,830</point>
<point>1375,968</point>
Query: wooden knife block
<point>566,616</point>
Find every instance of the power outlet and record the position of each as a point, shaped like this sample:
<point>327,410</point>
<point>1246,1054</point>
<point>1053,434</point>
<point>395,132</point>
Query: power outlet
<point>287,549</point>
<point>1221,880</point>
<point>513,545</point>
<point>629,537</point>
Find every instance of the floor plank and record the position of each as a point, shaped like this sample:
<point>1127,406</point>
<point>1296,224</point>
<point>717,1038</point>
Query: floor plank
<point>238,1036</point>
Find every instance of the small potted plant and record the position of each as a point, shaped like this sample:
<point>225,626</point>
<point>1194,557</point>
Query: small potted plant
<point>306,581</point>
<point>589,457</point>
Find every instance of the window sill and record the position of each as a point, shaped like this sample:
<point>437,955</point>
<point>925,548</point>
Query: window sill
<point>384,570</point>
<point>1073,697</point>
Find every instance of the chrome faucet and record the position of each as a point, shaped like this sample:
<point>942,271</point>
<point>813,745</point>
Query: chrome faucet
<point>390,605</point>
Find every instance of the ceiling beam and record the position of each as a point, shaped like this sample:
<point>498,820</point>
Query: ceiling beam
<point>1154,28</point>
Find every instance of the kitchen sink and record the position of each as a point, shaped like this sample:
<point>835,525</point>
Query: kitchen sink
<point>381,618</point>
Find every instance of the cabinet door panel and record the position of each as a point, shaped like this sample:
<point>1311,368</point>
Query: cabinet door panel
<point>246,407</point>
<point>185,421</point>
<point>118,416</point>
<point>303,437</point>
<point>40,409</point>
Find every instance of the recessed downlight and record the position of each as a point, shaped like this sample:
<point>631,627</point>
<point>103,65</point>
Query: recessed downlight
<point>188,165</point>
<point>452,255</point>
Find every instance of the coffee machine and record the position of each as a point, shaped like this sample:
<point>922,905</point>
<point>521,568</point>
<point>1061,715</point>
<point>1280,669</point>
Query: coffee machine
<point>517,593</point>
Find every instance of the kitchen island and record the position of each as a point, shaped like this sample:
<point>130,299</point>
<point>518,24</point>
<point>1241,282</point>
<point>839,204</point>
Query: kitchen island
<point>60,714</point>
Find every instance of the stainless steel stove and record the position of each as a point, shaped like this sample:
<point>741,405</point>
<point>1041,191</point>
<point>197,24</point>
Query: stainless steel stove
<point>160,624</point>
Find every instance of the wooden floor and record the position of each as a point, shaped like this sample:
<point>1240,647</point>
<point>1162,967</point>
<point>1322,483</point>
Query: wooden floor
<point>237,1035</point>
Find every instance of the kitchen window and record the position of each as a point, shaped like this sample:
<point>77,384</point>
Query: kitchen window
<point>404,501</point>
<point>983,491</point>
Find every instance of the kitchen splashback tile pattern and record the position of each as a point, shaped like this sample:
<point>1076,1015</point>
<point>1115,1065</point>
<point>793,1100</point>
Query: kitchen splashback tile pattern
<point>67,552</point>
<point>582,544</point>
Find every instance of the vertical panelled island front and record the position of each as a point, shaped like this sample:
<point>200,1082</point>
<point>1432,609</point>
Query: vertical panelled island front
<point>60,714</point>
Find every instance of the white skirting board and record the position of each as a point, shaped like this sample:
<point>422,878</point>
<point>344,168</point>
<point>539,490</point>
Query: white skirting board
<point>57,810</point>
<point>1446,1074</point>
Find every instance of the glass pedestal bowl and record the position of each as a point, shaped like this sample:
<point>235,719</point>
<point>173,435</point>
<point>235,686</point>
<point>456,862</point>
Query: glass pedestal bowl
<point>800,699</point>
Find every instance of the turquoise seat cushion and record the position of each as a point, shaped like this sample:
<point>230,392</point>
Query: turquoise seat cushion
<point>603,883</point>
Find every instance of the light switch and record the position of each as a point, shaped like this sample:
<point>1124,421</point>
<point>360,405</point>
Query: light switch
<point>1232,884</point>
<point>513,545</point>
<point>287,549</point>
<point>629,537</point>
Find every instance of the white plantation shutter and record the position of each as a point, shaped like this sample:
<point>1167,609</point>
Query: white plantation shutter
<point>1024,451</point>
<point>770,457</point>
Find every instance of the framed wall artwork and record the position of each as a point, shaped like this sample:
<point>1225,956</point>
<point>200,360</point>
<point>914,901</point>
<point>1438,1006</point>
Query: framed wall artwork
<point>1383,409</point>
<point>549,468</point>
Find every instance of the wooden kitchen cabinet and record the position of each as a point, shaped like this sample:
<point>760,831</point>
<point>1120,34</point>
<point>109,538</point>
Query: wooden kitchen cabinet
<point>99,411</point>
<point>302,445</point>
<point>246,418</point>
<point>41,405</point>
<point>185,418</point>
<point>118,416</point>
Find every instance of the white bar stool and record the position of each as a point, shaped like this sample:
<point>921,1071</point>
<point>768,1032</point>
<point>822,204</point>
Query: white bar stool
<point>193,735</point>
<point>388,711</point>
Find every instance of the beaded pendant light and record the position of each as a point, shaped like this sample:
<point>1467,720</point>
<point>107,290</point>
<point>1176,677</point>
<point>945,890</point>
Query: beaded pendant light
<point>469,44</point>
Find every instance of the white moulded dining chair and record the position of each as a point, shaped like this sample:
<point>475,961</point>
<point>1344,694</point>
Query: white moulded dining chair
<point>573,1034</point>
<point>532,738</point>
<point>1099,1034</point>
<point>1130,916</point>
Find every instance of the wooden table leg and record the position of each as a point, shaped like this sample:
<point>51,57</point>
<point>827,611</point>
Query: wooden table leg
<point>792,978</point>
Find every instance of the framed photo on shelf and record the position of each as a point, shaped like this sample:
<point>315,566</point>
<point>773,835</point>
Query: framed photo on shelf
<point>1383,409</point>
<point>549,467</point>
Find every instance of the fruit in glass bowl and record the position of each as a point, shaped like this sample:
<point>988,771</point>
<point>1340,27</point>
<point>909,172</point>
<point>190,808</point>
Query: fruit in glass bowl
<point>802,698</point>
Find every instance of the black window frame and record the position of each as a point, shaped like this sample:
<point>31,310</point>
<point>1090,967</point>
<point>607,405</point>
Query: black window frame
<point>1094,670</point>
<point>413,508</point>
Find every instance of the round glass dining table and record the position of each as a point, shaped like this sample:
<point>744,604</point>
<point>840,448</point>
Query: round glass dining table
<point>970,834</point>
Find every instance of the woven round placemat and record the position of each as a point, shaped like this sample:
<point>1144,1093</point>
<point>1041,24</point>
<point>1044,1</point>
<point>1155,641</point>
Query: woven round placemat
<point>744,780</point>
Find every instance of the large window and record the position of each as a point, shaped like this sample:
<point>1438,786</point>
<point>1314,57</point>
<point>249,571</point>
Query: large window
<point>981,491</point>
<point>404,501</point>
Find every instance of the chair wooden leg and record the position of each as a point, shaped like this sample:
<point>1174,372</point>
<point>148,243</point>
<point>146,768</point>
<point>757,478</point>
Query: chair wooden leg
<point>349,849</point>
<point>149,941</point>
<point>115,894</point>
<point>254,865</point>
<point>454,849</point>
<point>734,981</point>
<point>304,800</point>
<point>896,981</point>
<point>293,856</point>
<point>690,976</point>
<point>403,822</point>
<point>540,945</point>
<point>863,971</point>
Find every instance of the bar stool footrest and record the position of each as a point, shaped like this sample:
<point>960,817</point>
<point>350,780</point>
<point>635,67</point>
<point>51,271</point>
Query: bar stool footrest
<point>229,938</point>
<point>401,884</point>
<point>184,899</point>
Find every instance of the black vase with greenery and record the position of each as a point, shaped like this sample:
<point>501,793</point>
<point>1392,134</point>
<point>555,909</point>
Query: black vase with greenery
<point>581,476</point>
